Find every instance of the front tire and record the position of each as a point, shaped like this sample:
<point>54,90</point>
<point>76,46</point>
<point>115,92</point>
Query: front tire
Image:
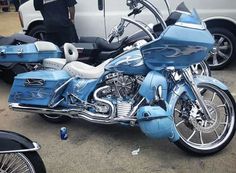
<point>29,162</point>
<point>202,136</point>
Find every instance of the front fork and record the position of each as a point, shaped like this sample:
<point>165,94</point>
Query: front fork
<point>189,78</point>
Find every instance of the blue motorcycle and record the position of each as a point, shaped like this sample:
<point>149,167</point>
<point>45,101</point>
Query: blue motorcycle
<point>149,85</point>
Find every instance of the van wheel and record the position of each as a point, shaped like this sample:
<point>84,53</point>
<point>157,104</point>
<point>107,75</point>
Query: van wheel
<point>38,32</point>
<point>224,49</point>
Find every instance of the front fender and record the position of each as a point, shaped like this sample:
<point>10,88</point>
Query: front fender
<point>11,142</point>
<point>182,88</point>
<point>209,80</point>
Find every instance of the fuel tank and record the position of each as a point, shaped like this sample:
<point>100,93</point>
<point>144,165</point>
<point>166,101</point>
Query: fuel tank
<point>130,62</point>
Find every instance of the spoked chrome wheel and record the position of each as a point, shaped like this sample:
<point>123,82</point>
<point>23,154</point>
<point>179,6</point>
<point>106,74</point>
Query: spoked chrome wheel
<point>202,135</point>
<point>15,163</point>
<point>201,69</point>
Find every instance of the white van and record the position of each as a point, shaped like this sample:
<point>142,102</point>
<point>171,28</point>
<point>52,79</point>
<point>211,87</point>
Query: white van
<point>219,16</point>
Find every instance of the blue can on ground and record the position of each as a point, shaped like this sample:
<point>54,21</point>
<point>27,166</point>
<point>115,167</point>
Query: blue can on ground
<point>64,133</point>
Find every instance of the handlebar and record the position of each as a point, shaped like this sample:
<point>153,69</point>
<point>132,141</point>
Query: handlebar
<point>135,11</point>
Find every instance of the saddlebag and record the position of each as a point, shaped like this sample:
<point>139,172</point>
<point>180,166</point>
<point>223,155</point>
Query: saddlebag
<point>37,87</point>
<point>29,53</point>
<point>155,122</point>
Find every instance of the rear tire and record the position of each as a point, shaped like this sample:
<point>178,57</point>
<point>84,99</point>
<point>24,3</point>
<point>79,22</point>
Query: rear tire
<point>55,118</point>
<point>9,75</point>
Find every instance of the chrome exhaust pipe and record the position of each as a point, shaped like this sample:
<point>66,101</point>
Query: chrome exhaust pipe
<point>73,113</point>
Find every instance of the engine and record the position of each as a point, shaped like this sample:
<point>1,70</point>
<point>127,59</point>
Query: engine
<point>122,92</point>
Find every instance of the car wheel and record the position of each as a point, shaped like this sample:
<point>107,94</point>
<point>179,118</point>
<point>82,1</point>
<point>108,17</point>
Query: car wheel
<point>38,32</point>
<point>224,49</point>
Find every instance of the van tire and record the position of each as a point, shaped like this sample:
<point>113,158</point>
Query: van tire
<point>38,32</point>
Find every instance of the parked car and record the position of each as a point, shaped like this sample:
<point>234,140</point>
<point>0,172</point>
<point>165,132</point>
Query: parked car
<point>219,16</point>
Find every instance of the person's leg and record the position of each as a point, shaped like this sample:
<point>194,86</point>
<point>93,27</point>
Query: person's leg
<point>68,35</point>
<point>16,4</point>
<point>53,37</point>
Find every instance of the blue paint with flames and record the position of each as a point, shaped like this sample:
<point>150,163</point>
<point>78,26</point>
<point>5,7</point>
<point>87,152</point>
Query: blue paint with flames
<point>81,89</point>
<point>179,47</point>
<point>36,87</point>
<point>130,62</point>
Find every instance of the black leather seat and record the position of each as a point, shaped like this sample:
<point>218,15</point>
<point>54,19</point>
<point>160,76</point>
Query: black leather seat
<point>102,44</point>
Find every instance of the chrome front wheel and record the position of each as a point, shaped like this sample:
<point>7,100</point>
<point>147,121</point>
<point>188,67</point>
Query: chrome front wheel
<point>201,135</point>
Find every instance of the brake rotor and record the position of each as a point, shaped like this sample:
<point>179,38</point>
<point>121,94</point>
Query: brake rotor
<point>202,125</point>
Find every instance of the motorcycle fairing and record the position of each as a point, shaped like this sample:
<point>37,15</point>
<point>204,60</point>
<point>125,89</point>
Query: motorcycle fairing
<point>150,84</point>
<point>29,53</point>
<point>180,45</point>
<point>37,87</point>
<point>13,142</point>
<point>177,46</point>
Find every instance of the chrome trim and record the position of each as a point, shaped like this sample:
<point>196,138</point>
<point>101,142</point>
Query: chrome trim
<point>183,12</point>
<point>189,78</point>
<point>168,6</point>
<point>139,25</point>
<point>35,144</point>
<point>104,101</point>
<point>191,25</point>
<point>73,113</point>
<point>155,11</point>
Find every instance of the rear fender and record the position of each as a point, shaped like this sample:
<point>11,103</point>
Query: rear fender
<point>13,142</point>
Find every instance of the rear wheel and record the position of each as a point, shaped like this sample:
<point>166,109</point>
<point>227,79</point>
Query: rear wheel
<point>52,118</point>
<point>203,136</point>
<point>29,162</point>
<point>9,75</point>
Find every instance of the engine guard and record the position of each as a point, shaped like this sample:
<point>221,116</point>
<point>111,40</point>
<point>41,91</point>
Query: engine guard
<point>157,123</point>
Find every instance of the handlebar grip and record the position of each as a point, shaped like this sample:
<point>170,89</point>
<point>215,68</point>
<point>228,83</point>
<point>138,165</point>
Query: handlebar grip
<point>131,13</point>
<point>111,39</point>
<point>135,11</point>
